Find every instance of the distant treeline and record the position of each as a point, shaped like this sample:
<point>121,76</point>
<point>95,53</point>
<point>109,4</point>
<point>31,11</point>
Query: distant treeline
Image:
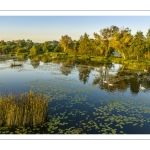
<point>105,43</point>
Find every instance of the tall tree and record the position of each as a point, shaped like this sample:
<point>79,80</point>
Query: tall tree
<point>29,44</point>
<point>46,47</point>
<point>66,43</point>
<point>34,50</point>
<point>86,45</point>
<point>2,42</point>
<point>139,44</point>
<point>75,46</point>
<point>104,40</point>
<point>105,44</point>
<point>21,43</point>
<point>99,51</point>
<point>148,41</point>
<point>122,41</point>
<point>58,48</point>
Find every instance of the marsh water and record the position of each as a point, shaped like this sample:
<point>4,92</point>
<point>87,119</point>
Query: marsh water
<point>84,97</point>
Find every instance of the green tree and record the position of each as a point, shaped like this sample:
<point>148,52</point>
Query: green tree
<point>148,42</point>
<point>46,47</point>
<point>104,40</point>
<point>29,44</point>
<point>75,46</point>
<point>122,41</point>
<point>105,43</point>
<point>2,42</point>
<point>53,45</point>
<point>5,49</point>
<point>99,50</point>
<point>86,45</point>
<point>34,50</point>
<point>21,43</point>
<point>138,44</point>
<point>22,50</point>
<point>58,48</point>
<point>66,43</point>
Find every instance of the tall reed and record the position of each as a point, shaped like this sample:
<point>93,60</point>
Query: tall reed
<point>28,109</point>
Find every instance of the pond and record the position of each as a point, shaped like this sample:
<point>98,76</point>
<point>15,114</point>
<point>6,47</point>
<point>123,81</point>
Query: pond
<point>84,97</point>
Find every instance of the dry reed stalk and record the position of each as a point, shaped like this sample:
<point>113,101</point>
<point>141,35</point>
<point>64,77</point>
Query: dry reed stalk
<point>23,110</point>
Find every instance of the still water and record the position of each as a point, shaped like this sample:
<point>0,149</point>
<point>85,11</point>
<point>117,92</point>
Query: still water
<point>89,98</point>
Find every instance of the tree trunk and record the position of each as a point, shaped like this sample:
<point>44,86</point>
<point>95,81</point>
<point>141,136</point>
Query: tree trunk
<point>123,67</point>
<point>124,57</point>
<point>137,58</point>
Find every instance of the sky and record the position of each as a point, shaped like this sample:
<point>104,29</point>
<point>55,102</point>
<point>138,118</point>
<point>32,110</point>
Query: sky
<point>48,28</point>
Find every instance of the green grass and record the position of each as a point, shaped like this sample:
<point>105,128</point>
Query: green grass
<point>117,60</point>
<point>50,56</point>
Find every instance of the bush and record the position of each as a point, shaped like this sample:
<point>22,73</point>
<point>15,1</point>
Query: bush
<point>36,58</point>
<point>46,59</point>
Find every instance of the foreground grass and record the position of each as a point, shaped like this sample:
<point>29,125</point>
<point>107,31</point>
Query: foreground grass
<point>27,109</point>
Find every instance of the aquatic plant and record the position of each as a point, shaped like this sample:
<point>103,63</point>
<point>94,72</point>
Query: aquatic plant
<point>28,109</point>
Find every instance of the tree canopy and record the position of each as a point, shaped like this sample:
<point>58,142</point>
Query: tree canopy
<point>108,40</point>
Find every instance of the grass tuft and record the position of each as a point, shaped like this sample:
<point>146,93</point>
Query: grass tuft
<point>28,109</point>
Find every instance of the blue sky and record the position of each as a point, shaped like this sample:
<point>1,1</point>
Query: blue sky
<point>45,28</point>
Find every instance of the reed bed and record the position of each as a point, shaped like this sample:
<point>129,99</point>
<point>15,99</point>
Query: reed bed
<point>28,109</point>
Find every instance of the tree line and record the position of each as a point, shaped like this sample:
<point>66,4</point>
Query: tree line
<point>105,43</point>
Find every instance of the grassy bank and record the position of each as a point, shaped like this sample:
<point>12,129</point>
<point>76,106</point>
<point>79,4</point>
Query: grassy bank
<point>28,109</point>
<point>56,56</point>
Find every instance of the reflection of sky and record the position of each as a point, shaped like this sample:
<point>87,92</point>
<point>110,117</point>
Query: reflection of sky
<point>114,69</point>
<point>15,79</point>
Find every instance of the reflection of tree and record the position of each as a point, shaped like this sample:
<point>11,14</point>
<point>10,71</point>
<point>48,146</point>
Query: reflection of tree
<point>67,66</point>
<point>103,72</point>
<point>35,64</point>
<point>121,80</point>
<point>2,59</point>
<point>105,86</point>
<point>69,62</point>
<point>97,80</point>
<point>65,70</point>
<point>84,72</point>
<point>134,85</point>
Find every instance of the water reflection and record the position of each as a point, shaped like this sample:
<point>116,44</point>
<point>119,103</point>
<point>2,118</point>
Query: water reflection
<point>108,77</point>
<point>35,64</point>
<point>123,79</point>
<point>84,72</point>
<point>87,97</point>
<point>67,66</point>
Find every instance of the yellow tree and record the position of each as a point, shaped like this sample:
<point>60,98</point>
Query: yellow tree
<point>121,41</point>
<point>34,50</point>
<point>98,45</point>
<point>104,40</point>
